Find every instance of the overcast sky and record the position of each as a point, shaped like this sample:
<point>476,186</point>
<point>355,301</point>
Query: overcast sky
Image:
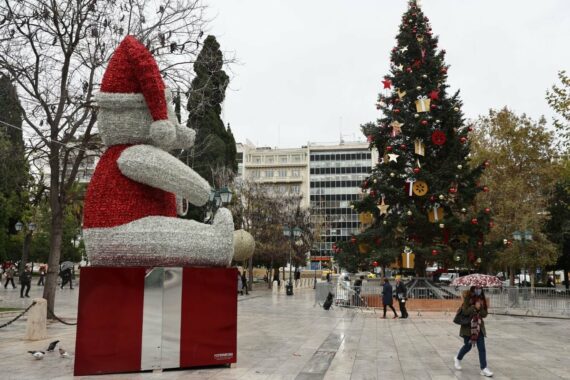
<point>310,70</point>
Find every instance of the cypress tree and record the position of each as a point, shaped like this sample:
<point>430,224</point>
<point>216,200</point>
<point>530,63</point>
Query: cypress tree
<point>215,146</point>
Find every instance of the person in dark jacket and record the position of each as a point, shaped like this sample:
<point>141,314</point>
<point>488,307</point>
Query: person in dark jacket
<point>387,297</point>
<point>401,296</point>
<point>42,275</point>
<point>244,283</point>
<point>475,306</point>
<point>25,281</point>
<point>9,272</point>
<point>66,277</point>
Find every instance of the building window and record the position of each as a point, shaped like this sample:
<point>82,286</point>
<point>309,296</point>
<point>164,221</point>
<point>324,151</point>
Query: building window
<point>295,189</point>
<point>255,174</point>
<point>269,173</point>
<point>269,159</point>
<point>295,173</point>
<point>257,159</point>
<point>296,158</point>
<point>282,173</point>
<point>283,159</point>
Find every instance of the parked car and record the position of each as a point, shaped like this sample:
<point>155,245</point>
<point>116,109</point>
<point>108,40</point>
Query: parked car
<point>446,278</point>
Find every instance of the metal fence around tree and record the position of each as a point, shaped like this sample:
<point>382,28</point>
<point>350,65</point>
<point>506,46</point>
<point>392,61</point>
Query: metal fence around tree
<point>545,302</point>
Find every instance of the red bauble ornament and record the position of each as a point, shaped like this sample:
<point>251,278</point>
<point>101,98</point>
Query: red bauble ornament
<point>424,122</point>
<point>452,190</point>
<point>370,138</point>
<point>397,110</point>
<point>353,240</point>
<point>417,170</point>
<point>375,264</point>
<point>470,129</point>
<point>474,221</point>
<point>487,210</point>
<point>408,69</point>
<point>438,137</point>
<point>389,148</point>
<point>373,193</point>
<point>444,70</point>
<point>433,106</point>
<point>394,50</point>
<point>434,252</point>
<point>403,146</point>
<point>486,189</point>
<point>491,224</point>
<point>463,139</point>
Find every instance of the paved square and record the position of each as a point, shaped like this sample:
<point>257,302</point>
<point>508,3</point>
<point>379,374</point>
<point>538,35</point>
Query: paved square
<point>281,337</point>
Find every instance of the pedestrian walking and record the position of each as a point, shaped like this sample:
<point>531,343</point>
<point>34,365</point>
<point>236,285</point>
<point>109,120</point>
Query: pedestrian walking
<point>244,283</point>
<point>357,288</point>
<point>401,296</point>
<point>550,283</point>
<point>387,297</point>
<point>474,306</point>
<point>25,282</point>
<point>10,272</point>
<point>328,277</point>
<point>239,283</point>
<point>42,275</point>
<point>66,277</point>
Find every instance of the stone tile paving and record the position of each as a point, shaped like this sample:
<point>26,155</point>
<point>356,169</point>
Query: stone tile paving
<point>282,337</point>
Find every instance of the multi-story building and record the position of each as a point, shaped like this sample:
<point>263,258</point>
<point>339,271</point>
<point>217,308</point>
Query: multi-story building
<point>282,171</point>
<point>336,174</point>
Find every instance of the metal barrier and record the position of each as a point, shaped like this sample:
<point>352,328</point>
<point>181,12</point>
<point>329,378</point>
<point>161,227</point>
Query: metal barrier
<point>430,298</point>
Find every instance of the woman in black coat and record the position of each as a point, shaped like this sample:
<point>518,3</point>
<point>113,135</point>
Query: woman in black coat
<point>387,297</point>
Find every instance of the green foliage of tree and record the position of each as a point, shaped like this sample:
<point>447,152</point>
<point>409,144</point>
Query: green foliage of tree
<point>558,98</point>
<point>13,166</point>
<point>557,226</point>
<point>419,73</point>
<point>523,170</point>
<point>215,145</point>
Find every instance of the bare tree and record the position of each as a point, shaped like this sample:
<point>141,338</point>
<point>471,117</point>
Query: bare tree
<point>55,51</point>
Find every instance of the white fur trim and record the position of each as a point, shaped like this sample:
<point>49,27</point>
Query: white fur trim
<point>163,133</point>
<point>163,241</point>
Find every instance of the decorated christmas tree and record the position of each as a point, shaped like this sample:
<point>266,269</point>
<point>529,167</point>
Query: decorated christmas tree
<point>421,194</point>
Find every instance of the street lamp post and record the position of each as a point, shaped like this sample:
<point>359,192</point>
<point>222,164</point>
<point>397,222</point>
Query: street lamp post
<point>291,233</point>
<point>218,198</point>
<point>29,230</point>
<point>522,237</point>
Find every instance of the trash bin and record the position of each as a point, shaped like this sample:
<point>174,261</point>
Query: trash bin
<point>289,289</point>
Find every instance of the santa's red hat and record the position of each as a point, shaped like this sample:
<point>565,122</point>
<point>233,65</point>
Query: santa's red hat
<point>133,70</point>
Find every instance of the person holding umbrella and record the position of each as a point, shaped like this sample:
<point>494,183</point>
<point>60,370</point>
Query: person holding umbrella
<point>474,306</point>
<point>66,274</point>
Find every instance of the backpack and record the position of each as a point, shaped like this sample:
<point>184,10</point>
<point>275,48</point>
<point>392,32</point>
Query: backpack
<point>328,302</point>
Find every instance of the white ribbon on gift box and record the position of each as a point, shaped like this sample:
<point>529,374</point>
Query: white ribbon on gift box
<point>435,207</point>
<point>411,182</point>
<point>422,104</point>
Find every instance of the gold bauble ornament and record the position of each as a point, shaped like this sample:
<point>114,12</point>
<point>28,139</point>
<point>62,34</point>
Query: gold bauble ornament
<point>244,245</point>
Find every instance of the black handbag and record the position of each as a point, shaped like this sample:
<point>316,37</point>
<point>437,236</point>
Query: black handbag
<point>460,318</point>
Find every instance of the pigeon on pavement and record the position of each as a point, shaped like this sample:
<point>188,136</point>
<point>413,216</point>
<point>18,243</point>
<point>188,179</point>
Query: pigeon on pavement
<point>63,353</point>
<point>39,355</point>
<point>52,346</point>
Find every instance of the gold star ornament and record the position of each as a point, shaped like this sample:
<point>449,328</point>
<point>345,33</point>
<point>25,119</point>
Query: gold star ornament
<point>383,207</point>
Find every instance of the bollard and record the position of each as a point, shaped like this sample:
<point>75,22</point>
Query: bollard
<point>36,327</point>
<point>275,287</point>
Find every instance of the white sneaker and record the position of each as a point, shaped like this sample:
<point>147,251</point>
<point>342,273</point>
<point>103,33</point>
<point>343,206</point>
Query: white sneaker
<point>486,372</point>
<point>457,363</point>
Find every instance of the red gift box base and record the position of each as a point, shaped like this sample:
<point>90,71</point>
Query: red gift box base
<point>110,320</point>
